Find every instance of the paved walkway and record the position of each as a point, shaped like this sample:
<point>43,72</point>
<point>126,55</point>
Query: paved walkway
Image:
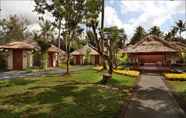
<point>153,100</point>
<point>21,74</point>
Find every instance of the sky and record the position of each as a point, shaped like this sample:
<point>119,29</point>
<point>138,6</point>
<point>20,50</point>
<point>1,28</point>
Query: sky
<point>127,14</point>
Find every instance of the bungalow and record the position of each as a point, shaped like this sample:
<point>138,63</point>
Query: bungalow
<point>19,55</point>
<point>154,51</point>
<point>86,55</point>
<point>55,55</point>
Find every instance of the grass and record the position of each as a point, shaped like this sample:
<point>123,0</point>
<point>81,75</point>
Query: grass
<point>71,96</point>
<point>179,89</point>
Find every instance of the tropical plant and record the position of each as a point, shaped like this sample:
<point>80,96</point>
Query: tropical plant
<point>44,39</point>
<point>13,29</point>
<point>70,12</point>
<point>138,35</point>
<point>172,34</point>
<point>112,36</point>
<point>155,30</point>
<point>181,27</point>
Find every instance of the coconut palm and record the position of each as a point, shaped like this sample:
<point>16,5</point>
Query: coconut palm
<point>138,35</point>
<point>181,26</point>
<point>155,30</point>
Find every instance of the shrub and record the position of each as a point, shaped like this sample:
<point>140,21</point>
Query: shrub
<point>3,63</point>
<point>127,72</point>
<point>98,68</point>
<point>175,76</point>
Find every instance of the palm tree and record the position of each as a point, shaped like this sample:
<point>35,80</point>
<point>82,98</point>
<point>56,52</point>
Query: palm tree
<point>155,30</point>
<point>44,40</point>
<point>138,35</point>
<point>181,26</point>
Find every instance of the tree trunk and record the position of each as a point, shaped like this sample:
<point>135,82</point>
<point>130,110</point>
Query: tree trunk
<point>59,41</point>
<point>68,58</point>
<point>45,60</point>
<point>180,34</point>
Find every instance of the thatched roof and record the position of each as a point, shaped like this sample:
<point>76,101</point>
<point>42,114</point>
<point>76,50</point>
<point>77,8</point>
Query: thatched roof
<point>17,45</point>
<point>178,45</point>
<point>150,43</point>
<point>53,48</point>
<point>83,51</point>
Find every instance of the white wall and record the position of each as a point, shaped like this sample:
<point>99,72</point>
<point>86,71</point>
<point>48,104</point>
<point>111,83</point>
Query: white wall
<point>10,59</point>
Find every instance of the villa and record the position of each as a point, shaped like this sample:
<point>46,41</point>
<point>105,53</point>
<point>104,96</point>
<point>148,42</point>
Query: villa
<point>155,51</point>
<point>86,55</point>
<point>20,55</point>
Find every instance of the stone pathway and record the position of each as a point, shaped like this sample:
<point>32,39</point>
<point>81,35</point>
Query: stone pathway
<point>54,71</point>
<point>153,100</point>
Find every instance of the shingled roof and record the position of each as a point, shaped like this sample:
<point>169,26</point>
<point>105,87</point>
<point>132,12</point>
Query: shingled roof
<point>83,51</point>
<point>151,43</point>
<point>17,45</point>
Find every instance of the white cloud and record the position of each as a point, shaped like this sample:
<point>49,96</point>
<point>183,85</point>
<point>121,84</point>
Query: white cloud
<point>111,17</point>
<point>21,8</point>
<point>149,13</point>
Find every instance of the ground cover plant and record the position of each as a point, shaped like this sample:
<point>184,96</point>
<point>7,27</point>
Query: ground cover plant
<point>71,96</point>
<point>179,90</point>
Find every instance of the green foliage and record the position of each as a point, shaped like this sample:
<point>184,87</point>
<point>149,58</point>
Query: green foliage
<point>122,58</point>
<point>3,61</point>
<point>138,35</point>
<point>44,40</point>
<point>179,89</point>
<point>73,96</point>
<point>155,30</point>
<point>181,27</point>
<point>87,56</point>
<point>70,12</point>
<point>13,29</point>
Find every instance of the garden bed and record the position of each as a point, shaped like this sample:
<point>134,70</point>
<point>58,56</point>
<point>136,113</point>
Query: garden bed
<point>175,76</point>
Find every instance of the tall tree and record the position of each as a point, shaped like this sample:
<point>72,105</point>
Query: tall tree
<point>172,34</point>
<point>13,29</point>
<point>181,26</point>
<point>44,39</point>
<point>138,35</point>
<point>155,30</point>
<point>71,12</point>
<point>112,36</point>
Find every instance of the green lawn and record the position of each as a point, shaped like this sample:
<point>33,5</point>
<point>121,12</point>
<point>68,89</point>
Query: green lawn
<point>74,96</point>
<point>179,89</point>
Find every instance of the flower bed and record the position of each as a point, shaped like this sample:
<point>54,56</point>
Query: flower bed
<point>175,76</point>
<point>98,68</point>
<point>128,72</point>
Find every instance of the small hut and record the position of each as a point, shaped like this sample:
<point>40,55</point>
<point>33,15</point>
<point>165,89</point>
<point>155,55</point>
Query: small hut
<point>154,50</point>
<point>86,55</point>
<point>19,55</point>
<point>55,56</point>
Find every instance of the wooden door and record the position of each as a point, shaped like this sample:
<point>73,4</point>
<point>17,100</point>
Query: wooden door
<point>151,58</point>
<point>97,59</point>
<point>78,61</point>
<point>17,59</point>
<point>50,59</point>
